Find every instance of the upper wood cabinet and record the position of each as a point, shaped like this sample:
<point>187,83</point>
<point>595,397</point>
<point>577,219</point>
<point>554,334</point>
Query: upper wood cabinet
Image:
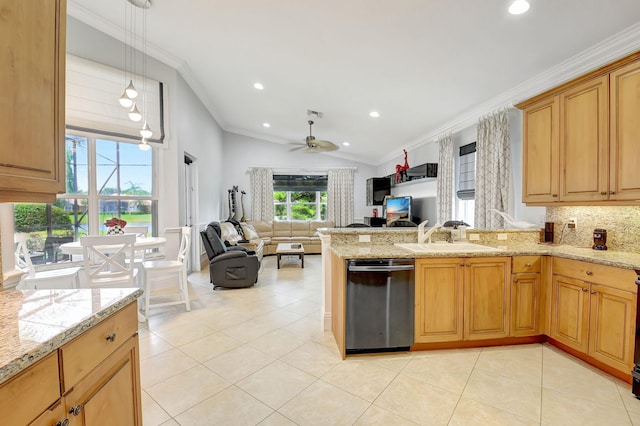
<point>580,139</point>
<point>32,76</point>
<point>624,183</point>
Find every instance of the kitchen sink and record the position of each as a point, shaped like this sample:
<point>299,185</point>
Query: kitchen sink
<point>446,247</point>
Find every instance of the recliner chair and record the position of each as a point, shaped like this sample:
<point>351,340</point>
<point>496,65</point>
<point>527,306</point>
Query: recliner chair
<point>229,267</point>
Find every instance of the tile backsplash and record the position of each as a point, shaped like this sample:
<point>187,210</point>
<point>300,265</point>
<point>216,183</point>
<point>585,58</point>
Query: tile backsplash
<point>622,225</point>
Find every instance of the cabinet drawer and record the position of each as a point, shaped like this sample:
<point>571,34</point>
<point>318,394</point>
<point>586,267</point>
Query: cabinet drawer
<point>623,279</point>
<point>525,264</point>
<point>30,393</point>
<point>83,354</point>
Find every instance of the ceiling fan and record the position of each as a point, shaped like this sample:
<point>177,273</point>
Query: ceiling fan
<point>314,145</point>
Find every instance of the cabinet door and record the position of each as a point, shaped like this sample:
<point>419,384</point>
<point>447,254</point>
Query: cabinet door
<point>612,326</point>
<point>624,178</point>
<point>584,141</point>
<point>541,163</point>
<point>570,312</point>
<point>486,298</point>
<point>32,39</point>
<point>525,296</point>
<point>54,416</point>
<point>439,301</point>
<point>111,391</point>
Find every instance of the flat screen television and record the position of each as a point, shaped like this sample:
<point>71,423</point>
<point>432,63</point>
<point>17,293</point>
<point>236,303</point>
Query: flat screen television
<point>397,208</point>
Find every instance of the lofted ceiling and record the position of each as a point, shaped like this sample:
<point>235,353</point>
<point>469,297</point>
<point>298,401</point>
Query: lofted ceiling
<point>427,66</point>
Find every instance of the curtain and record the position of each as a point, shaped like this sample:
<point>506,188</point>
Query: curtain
<point>261,181</point>
<point>493,168</point>
<point>340,196</point>
<point>445,179</point>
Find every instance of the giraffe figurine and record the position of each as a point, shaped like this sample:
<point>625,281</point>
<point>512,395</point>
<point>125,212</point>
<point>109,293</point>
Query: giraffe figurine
<point>401,171</point>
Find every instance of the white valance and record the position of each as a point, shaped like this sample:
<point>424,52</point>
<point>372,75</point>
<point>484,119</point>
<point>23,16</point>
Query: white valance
<point>92,94</point>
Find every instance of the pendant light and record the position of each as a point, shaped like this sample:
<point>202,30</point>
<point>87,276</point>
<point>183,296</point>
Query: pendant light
<point>134,113</point>
<point>145,132</point>
<point>143,145</point>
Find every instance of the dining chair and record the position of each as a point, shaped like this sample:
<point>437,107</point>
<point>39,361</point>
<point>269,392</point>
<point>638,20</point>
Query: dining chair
<point>52,278</point>
<point>155,272</point>
<point>140,231</point>
<point>105,260</point>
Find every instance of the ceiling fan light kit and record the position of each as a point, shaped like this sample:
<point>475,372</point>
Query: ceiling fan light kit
<point>318,145</point>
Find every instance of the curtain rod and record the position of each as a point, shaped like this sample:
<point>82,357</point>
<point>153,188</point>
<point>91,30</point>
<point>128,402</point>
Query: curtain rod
<point>305,169</point>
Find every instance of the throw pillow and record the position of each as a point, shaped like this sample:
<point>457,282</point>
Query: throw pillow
<point>250,232</point>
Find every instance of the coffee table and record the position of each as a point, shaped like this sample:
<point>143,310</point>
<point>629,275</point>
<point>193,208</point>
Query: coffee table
<point>290,249</point>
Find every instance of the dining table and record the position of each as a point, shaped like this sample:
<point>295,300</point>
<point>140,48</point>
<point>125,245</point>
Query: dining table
<point>144,245</point>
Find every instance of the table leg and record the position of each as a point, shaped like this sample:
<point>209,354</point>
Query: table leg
<point>302,260</point>
<point>278,256</point>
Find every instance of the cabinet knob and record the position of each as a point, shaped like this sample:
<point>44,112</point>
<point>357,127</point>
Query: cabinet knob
<point>585,290</point>
<point>75,410</point>
<point>612,192</point>
<point>554,195</point>
<point>515,280</point>
<point>111,337</point>
<point>593,292</point>
<point>468,264</point>
<point>64,422</point>
<point>589,273</point>
<point>462,264</point>
<point>528,265</point>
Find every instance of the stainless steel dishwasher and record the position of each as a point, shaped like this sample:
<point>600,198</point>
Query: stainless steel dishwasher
<point>380,305</point>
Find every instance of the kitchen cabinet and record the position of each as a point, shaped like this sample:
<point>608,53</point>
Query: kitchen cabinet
<point>525,295</point>
<point>580,139</point>
<point>462,299</point>
<point>594,311</point>
<point>32,106</point>
<point>624,179</point>
<point>92,378</point>
<point>377,189</point>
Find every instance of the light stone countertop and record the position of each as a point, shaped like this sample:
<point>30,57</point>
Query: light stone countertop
<point>34,323</point>
<point>379,251</point>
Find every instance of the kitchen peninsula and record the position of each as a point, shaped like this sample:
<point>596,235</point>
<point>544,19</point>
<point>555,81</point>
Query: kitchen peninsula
<point>578,299</point>
<point>68,355</point>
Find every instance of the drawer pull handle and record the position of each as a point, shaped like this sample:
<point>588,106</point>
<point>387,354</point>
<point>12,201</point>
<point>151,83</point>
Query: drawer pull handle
<point>64,422</point>
<point>589,273</point>
<point>111,337</point>
<point>584,290</point>
<point>515,280</point>
<point>528,265</point>
<point>75,410</point>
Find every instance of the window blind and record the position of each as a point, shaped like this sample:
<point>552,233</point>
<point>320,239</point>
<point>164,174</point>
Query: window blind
<point>92,93</point>
<point>467,172</point>
<point>299,182</point>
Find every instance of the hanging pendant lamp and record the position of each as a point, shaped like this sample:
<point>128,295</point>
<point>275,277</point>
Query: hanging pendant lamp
<point>134,113</point>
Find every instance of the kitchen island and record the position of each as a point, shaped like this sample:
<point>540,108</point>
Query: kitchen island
<point>69,355</point>
<point>579,299</point>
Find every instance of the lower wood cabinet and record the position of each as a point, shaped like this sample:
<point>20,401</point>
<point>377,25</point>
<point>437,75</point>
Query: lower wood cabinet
<point>525,295</point>
<point>99,389</point>
<point>592,317</point>
<point>462,299</point>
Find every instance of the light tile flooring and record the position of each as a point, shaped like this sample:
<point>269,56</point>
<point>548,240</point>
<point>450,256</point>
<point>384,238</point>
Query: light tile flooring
<point>258,356</point>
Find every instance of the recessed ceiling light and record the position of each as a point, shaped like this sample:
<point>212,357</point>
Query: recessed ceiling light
<point>345,143</point>
<point>374,114</point>
<point>258,86</point>
<point>266,125</point>
<point>518,7</point>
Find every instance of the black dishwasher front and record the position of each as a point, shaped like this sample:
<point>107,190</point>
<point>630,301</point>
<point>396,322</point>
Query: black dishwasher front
<point>380,305</point>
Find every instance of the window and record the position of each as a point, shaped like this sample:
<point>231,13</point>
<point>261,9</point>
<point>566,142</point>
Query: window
<point>466,183</point>
<point>105,178</point>
<point>300,197</point>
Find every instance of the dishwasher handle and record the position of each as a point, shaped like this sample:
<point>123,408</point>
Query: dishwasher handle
<point>380,268</point>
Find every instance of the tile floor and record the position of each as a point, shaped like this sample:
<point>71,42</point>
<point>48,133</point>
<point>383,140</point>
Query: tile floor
<point>258,356</point>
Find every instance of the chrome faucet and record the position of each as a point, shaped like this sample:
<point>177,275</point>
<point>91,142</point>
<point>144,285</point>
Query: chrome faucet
<point>422,235</point>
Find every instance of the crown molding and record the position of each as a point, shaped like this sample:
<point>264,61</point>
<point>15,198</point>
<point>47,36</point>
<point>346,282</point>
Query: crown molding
<point>609,50</point>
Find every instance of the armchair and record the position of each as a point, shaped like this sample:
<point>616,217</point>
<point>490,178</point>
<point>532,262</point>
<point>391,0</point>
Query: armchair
<point>228,266</point>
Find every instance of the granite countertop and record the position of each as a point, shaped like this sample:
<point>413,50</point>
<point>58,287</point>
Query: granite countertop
<point>611,258</point>
<point>34,323</point>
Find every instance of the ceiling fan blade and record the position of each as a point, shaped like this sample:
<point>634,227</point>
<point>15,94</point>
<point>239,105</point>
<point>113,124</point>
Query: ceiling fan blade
<point>298,147</point>
<point>326,146</point>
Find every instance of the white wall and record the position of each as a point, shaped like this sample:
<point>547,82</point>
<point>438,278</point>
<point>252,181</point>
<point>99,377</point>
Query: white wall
<point>242,152</point>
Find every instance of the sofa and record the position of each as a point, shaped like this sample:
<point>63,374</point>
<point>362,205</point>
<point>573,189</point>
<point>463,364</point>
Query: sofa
<point>265,236</point>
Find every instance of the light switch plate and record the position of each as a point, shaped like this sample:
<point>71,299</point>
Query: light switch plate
<point>364,238</point>
<point>474,237</point>
<point>502,237</point>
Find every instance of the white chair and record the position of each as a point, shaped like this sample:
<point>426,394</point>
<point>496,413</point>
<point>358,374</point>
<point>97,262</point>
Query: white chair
<point>140,231</point>
<point>32,280</point>
<point>105,260</point>
<point>155,271</point>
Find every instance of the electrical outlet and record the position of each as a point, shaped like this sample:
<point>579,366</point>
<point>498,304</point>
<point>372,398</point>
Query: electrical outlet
<point>364,238</point>
<point>573,223</point>
<point>502,237</point>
